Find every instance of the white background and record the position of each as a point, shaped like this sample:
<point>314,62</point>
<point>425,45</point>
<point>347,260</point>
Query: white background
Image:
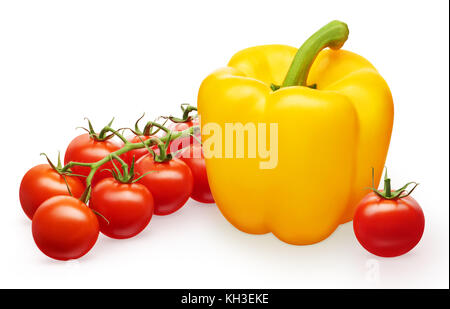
<point>61,61</point>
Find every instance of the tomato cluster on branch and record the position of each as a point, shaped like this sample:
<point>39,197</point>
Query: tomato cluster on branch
<point>114,184</point>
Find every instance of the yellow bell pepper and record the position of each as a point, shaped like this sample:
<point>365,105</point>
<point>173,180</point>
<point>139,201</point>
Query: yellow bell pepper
<point>334,114</point>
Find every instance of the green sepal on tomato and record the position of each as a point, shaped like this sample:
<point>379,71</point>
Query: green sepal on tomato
<point>180,124</point>
<point>89,148</point>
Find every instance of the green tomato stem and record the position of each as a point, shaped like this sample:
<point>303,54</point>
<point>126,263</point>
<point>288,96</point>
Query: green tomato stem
<point>126,148</point>
<point>390,194</point>
<point>387,185</point>
<point>116,133</point>
<point>148,128</point>
<point>186,110</point>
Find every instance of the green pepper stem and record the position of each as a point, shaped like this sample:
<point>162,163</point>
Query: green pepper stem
<point>332,35</point>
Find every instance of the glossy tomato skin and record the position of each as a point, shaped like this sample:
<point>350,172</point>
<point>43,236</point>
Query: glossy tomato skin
<point>170,183</point>
<point>137,153</point>
<point>388,228</point>
<point>127,207</point>
<point>41,183</point>
<point>193,157</point>
<point>84,148</point>
<point>64,228</point>
<point>186,141</point>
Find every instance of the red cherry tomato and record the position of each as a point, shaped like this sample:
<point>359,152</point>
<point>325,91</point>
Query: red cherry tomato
<point>127,206</point>
<point>170,183</point>
<point>193,157</point>
<point>388,228</point>
<point>64,228</point>
<point>137,153</point>
<point>183,142</point>
<point>41,183</point>
<point>86,149</point>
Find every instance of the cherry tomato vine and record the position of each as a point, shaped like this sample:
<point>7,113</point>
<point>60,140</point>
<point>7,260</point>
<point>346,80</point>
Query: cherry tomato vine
<point>161,143</point>
<point>106,184</point>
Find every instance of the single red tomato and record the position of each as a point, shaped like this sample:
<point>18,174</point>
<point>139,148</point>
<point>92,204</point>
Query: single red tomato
<point>128,207</point>
<point>43,182</point>
<point>388,227</point>
<point>64,228</point>
<point>185,141</point>
<point>86,149</point>
<point>170,182</point>
<point>137,153</point>
<point>193,157</point>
